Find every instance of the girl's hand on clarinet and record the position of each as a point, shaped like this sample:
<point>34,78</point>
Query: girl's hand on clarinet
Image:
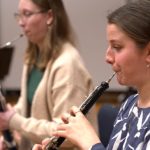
<point>77,129</point>
<point>41,146</point>
<point>37,147</point>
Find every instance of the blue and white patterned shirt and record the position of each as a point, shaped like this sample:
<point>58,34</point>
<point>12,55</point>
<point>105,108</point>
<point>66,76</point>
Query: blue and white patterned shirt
<point>131,129</point>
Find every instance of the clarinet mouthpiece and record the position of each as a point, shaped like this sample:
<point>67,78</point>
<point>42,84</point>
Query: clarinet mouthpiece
<point>108,81</point>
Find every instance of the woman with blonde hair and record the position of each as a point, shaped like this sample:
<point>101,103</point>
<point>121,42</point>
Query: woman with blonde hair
<point>54,76</point>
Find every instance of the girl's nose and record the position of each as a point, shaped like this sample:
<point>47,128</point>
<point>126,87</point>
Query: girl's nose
<point>109,56</point>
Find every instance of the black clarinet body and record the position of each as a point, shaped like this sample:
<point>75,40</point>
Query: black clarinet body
<point>55,142</point>
<point>8,138</point>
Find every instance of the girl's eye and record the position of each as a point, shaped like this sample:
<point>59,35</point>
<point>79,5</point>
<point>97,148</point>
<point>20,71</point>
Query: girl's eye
<point>116,48</point>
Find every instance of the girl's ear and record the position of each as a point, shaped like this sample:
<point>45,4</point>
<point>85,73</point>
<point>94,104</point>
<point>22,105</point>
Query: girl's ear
<point>50,17</point>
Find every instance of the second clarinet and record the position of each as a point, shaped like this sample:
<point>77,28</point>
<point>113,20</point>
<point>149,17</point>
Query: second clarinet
<point>8,138</point>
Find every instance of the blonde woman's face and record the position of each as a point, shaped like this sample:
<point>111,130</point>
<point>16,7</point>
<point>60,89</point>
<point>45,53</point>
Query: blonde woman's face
<point>33,21</point>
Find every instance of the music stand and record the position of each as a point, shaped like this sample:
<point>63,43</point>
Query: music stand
<point>5,60</point>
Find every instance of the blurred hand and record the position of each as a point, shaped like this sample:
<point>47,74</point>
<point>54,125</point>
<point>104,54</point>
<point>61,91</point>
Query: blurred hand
<point>5,117</point>
<point>77,129</point>
<point>2,144</point>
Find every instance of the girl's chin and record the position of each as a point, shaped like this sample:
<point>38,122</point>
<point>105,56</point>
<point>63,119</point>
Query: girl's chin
<point>121,81</point>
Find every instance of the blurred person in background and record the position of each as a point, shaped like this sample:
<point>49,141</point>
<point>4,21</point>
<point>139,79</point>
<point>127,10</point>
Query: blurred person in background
<point>54,76</point>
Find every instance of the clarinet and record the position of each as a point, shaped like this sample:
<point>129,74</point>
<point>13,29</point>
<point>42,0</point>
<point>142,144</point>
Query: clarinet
<point>8,138</point>
<point>55,142</point>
